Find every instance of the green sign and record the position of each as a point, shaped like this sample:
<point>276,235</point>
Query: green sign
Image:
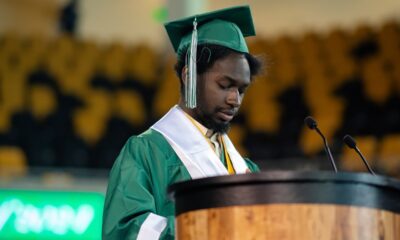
<point>27,214</point>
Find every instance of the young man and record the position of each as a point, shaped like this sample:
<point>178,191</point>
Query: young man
<point>190,141</point>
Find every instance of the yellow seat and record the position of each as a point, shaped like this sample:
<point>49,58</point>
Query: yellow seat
<point>43,101</point>
<point>13,162</point>
<point>5,121</point>
<point>13,90</point>
<point>336,42</point>
<point>389,154</point>
<point>263,117</point>
<point>285,59</point>
<point>361,33</point>
<point>350,160</point>
<point>74,81</point>
<point>34,50</point>
<point>377,85</point>
<point>59,55</point>
<point>328,107</point>
<point>167,94</point>
<point>129,105</point>
<point>316,88</point>
<point>237,134</point>
<point>388,39</point>
<point>99,102</point>
<point>87,58</point>
<point>396,77</point>
<point>112,62</point>
<point>88,51</point>
<point>142,63</point>
<point>336,47</point>
<point>13,56</point>
<point>310,49</point>
<point>310,142</point>
<point>260,107</point>
<point>88,126</point>
<point>258,46</point>
<point>72,64</point>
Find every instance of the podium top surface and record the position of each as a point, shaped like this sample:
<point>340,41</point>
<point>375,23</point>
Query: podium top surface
<point>343,188</point>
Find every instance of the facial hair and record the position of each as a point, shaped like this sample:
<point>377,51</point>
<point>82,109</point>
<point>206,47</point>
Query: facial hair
<point>207,120</point>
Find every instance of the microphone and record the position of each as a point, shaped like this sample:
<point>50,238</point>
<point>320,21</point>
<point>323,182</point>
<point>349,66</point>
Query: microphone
<point>351,143</point>
<point>312,124</point>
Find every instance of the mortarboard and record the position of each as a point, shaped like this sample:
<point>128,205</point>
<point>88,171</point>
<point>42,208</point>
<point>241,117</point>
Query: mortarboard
<point>227,27</point>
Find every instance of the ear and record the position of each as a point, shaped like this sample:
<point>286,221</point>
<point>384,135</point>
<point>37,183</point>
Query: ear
<point>184,74</point>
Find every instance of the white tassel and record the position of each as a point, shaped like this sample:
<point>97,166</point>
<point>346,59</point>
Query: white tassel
<point>191,85</point>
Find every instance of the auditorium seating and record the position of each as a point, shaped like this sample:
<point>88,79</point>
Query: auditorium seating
<point>87,98</point>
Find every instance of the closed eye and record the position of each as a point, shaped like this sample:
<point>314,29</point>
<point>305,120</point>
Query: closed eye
<point>224,86</point>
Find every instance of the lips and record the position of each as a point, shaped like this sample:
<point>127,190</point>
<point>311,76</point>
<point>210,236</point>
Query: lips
<point>226,115</point>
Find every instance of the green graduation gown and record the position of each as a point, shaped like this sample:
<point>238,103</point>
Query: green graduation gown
<point>138,182</point>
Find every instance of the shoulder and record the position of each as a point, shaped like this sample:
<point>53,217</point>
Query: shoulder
<point>148,146</point>
<point>148,140</point>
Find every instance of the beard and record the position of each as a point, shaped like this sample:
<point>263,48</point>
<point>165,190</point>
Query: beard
<point>208,121</point>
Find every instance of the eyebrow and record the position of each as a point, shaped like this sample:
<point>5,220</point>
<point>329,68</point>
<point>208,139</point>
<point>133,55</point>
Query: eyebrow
<point>233,80</point>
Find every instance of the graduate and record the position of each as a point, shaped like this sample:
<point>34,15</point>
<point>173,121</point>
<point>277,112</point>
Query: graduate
<point>190,141</point>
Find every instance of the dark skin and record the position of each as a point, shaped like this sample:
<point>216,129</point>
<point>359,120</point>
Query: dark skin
<point>220,92</point>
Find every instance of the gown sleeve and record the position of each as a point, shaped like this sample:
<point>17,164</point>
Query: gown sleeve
<point>251,165</point>
<point>130,209</point>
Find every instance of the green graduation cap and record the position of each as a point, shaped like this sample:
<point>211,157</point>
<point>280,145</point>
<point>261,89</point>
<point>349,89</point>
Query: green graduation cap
<point>227,27</point>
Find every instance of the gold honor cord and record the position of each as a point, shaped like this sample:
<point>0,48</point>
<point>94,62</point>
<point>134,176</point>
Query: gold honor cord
<point>228,160</point>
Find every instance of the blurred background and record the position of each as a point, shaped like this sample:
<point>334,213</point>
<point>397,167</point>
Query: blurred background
<point>79,77</point>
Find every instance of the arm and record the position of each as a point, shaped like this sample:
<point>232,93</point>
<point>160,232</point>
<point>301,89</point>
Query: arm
<point>130,209</point>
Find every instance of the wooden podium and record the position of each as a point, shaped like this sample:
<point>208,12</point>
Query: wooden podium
<point>288,206</point>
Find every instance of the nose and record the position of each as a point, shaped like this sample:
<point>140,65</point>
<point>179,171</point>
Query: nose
<point>234,98</point>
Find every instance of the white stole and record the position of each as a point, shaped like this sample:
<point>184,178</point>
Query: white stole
<point>193,149</point>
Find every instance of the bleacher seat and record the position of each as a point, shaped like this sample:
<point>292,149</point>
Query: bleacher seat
<point>377,84</point>
<point>388,158</point>
<point>167,94</point>
<point>129,105</point>
<point>12,162</point>
<point>42,100</point>
<point>13,89</point>
<point>142,64</point>
<point>237,134</point>
<point>112,62</point>
<point>88,126</point>
<point>285,65</point>
<point>34,48</point>
<point>4,120</point>
<point>350,161</point>
<point>99,102</point>
<point>348,80</point>
<point>389,38</point>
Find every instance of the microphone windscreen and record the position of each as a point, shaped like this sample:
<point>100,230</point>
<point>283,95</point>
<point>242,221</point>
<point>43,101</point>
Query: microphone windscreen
<point>310,122</point>
<point>350,141</point>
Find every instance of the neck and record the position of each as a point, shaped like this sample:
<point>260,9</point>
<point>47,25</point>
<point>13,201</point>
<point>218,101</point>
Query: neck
<point>187,110</point>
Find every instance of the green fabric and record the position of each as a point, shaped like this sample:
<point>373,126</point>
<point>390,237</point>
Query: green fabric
<point>222,155</point>
<point>226,27</point>
<point>138,182</point>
